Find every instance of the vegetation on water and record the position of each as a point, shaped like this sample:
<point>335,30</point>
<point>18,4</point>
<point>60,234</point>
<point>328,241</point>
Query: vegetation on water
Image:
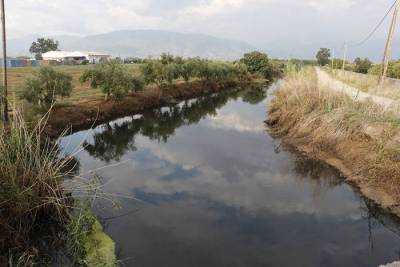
<point>33,199</point>
<point>360,138</point>
<point>37,211</point>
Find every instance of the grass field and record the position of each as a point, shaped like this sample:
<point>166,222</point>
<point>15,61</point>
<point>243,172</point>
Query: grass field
<point>81,92</point>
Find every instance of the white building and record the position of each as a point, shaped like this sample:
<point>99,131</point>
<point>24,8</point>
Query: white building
<point>62,56</point>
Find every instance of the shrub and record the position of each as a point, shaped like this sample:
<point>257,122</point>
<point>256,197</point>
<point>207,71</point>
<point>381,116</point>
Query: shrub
<point>44,87</point>
<point>258,63</point>
<point>362,65</point>
<point>112,77</point>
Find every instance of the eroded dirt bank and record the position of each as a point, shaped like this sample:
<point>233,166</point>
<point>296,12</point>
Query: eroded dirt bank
<point>89,114</point>
<point>359,139</point>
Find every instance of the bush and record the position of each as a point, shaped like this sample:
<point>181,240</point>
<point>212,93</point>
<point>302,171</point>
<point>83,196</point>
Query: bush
<point>362,65</point>
<point>112,77</point>
<point>259,63</point>
<point>44,87</point>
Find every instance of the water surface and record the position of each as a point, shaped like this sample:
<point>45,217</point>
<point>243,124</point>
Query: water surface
<point>216,189</point>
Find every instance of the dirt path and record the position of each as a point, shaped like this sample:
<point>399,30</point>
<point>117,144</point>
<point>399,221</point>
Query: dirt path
<point>326,81</point>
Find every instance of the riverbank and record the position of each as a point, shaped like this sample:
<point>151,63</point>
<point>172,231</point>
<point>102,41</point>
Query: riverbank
<point>92,113</point>
<point>358,138</point>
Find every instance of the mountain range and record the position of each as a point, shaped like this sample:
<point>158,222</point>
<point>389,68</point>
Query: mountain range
<point>143,43</point>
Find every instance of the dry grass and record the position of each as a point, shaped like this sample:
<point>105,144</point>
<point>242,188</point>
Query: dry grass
<point>369,83</point>
<point>31,191</point>
<point>80,94</point>
<point>330,126</point>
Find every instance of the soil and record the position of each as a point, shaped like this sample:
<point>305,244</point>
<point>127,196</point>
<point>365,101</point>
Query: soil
<point>355,156</point>
<point>86,115</point>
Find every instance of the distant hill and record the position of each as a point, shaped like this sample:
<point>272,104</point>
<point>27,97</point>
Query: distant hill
<point>373,50</point>
<point>143,43</point>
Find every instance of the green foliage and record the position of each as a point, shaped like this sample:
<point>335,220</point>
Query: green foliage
<point>323,56</point>
<point>133,60</point>
<point>259,63</point>
<point>362,65</point>
<point>43,45</point>
<point>44,87</point>
<point>255,61</point>
<point>113,78</point>
<point>168,68</point>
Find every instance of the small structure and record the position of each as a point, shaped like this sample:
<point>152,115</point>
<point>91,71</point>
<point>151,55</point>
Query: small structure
<point>76,56</point>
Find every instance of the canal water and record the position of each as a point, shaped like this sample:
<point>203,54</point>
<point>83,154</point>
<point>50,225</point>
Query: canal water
<point>203,183</point>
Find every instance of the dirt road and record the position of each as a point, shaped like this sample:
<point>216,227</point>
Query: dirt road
<point>326,81</point>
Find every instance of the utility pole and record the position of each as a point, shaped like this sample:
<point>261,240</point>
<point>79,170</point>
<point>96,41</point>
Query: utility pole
<point>5,82</point>
<point>345,55</point>
<point>389,42</point>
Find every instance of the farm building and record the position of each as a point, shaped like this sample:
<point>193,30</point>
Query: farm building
<point>63,56</point>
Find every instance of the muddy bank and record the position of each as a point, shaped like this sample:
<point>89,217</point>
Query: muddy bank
<point>324,128</point>
<point>90,114</point>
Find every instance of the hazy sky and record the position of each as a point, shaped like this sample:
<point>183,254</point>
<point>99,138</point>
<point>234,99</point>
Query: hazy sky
<point>255,21</point>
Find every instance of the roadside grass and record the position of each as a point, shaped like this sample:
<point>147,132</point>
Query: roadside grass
<point>368,83</point>
<point>361,134</point>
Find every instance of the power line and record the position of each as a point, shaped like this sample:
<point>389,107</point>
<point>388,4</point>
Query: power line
<point>377,26</point>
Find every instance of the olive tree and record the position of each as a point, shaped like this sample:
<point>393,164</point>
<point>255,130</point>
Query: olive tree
<point>155,71</point>
<point>45,85</point>
<point>113,79</point>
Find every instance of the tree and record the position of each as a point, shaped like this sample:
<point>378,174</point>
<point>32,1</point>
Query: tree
<point>160,72</point>
<point>113,78</point>
<point>255,61</point>
<point>43,45</point>
<point>323,56</point>
<point>46,85</point>
<point>258,62</point>
<point>362,65</point>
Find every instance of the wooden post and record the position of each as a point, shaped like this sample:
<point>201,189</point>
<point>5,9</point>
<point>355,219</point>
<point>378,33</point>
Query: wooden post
<point>344,55</point>
<point>5,82</point>
<point>389,42</point>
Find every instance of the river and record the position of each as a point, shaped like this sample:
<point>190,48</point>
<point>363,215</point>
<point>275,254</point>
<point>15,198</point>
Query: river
<point>213,188</point>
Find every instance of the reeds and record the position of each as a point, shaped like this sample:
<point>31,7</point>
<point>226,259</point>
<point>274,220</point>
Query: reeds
<point>31,190</point>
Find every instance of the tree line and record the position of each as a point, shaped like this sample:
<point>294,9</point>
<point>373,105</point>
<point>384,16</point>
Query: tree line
<point>116,82</point>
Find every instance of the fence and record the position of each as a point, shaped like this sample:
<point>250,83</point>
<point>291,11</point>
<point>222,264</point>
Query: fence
<point>20,63</point>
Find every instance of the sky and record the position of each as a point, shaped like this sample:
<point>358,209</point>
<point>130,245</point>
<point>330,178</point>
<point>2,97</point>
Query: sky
<point>259,22</point>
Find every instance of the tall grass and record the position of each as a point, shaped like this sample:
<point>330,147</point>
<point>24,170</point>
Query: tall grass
<point>331,125</point>
<point>31,191</point>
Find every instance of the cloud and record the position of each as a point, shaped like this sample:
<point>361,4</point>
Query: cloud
<point>330,4</point>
